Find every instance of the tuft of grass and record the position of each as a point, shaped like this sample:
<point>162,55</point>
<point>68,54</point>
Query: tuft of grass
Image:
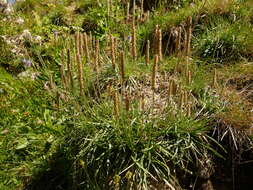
<point>224,43</point>
<point>130,151</point>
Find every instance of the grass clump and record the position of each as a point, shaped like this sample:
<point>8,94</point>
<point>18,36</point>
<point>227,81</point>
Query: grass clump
<point>133,152</point>
<point>221,44</point>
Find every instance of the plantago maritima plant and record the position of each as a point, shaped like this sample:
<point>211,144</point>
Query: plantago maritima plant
<point>156,40</point>
<point>109,8</point>
<point>181,99</point>
<point>77,43</point>
<point>148,53</point>
<point>127,12</point>
<point>142,102</point>
<point>134,8</point>
<point>185,41</point>
<point>170,88</point>
<point>63,78</point>
<point>127,102</point>
<point>86,45</point>
<point>134,48</point>
<point>80,74</point>
<point>122,66</point>
<point>91,42</point>
<point>113,52</point>
<point>189,110</point>
<point>70,72</point>
<point>116,48</point>
<point>189,36</point>
<point>81,49</point>
<point>153,79</point>
<point>97,55</point>
<point>186,97</point>
<point>116,104</point>
<point>186,71</point>
<point>160,45</point>
<point>154,72</point>
<point>142,8</point>
<point>147,16</point>
<point>178,42</point>
<point>189,77</point>
<point>215,78</point>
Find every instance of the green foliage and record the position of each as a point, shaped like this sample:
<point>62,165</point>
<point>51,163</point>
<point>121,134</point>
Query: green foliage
<point>86,6</point>
<point>95,21</point>
<point>166,20</point>
<point>26,6</point>
<point>225,43</point>
<point>6,56</point>
<point>58,19</point>
<point>105,148</point>
<point>169,4</point>
<point>28,128</point>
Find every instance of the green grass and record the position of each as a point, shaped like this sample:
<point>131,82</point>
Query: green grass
<point>107,151</point>
<point>224,42</point>
<point>28,128</point>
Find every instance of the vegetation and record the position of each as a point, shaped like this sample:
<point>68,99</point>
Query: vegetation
<point>126,94</point>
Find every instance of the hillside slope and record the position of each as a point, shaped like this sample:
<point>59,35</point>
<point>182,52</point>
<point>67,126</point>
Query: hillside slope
<point>122,94</point>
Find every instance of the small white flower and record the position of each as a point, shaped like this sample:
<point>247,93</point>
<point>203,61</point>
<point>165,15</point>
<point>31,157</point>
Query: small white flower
<point>27,62</point>
<point>192,5</point>
<point>24,74</point>
<point>8,42</point>
<point>46,86</point>
<point>28,74</point>
<point>39,122</point>
<point>26,35</point>
<point>14,50</point>
<point>20,21</point>
<point>37,39</point>
<point>4,37</point>
<point>34,75</point>
<point>26,31</point>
